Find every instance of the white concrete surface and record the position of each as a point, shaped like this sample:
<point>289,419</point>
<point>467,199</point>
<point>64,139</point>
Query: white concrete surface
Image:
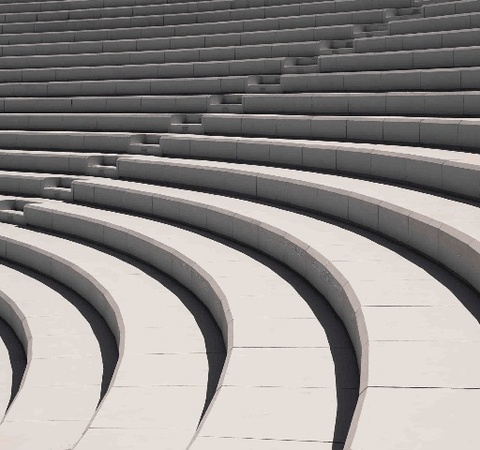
<point>384,89</point>
<point>267,319</point>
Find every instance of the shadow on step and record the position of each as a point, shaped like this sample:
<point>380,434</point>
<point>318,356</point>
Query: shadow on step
<point>16,354</point>
<point>216,354</point>
<point>106,340</point>
<point>347,376</point>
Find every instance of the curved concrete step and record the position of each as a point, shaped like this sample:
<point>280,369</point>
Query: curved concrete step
<point>422,318</point>
<point>401,60</point>
<point>122,18</point>
<point>101,122</point>
<point>443,229</point>
<point>61,387</point>
<point>144,334</point>
<point>36,184</point>
<point>446,39</point>
<point>457,78</point>
<point>425,104</point>
<point>451,7</point>
<point>247,66</point>
<point>110,142</point>
<point>199,80</point>
<point>208,28</point>
<point>170,6</point>
<point>449,171</point>
<point>72,162</point>
<point>457,21</point>
<point>422,131</point>
<point>199,42</point>
<point>436,104</point>
<point>154,86</point>
<point>270,329</point>
<point>306,47</point>
<point>139,103</point>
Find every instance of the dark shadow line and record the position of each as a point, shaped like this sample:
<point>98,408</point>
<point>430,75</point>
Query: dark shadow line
<point>347,376</point>
<point>214,344</point>
<point>103,334</point>
<point>17,357</point>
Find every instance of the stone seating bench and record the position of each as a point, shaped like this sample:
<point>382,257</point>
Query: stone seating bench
<point>323,254</point>
<point>447,39</point>
<point>458,78</point>
<point>454,7</point>
<point>198,42</point>
<point>443,229</point>
<point>294,334</point>
<point>254,51</point>
<point>453,172</point>
<point>64,23</point>
<point>145,337</point>
<point>217,69</point>
<point>56,375</point>
<point>91,81</point>
<point>405,59</point>
<point>439,23</point>
<point>207,28</point>
<point>425,131</point>
<point>62,162</point>
<point>452,104</point>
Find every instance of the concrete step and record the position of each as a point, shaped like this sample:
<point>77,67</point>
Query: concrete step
<point>281,227</point>
<point>141,332</point>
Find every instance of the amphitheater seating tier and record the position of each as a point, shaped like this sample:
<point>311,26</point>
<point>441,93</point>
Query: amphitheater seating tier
<point>239,224</point>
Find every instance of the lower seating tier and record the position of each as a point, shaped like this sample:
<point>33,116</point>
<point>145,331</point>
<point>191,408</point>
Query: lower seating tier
<point>109,285</point>
<point>134,197</point>
<point>56,376</point>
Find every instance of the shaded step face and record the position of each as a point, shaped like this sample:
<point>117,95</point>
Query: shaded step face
<point>11,211</point>
<point>189,123</point>
<point>228,103</point>
<point>264,84</point>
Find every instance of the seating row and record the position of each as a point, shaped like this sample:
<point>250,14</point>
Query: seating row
<point>283,235</point>
<point>153,343</point>
<point>224,77</point>
<point>445,132</point>
<point>56,376</point>
<point>147,104</point>
<point>453,172</point>
<point>441,23</point>
<point>63,22</point>
<point>452,79</point>
<point>187,42</point>
<point>305,48</point>
<point>451,104</point>
<point>449,171</point>
<point>294,332</point>
<point>61,162</point>
<point>455,7</point>
<point>176,6</point>
<point>265,66</point>
<point>407,59</point>
<point>407,216</point>
<point>447,39</point>
<point>207,28</point>
<point>70,140</point>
